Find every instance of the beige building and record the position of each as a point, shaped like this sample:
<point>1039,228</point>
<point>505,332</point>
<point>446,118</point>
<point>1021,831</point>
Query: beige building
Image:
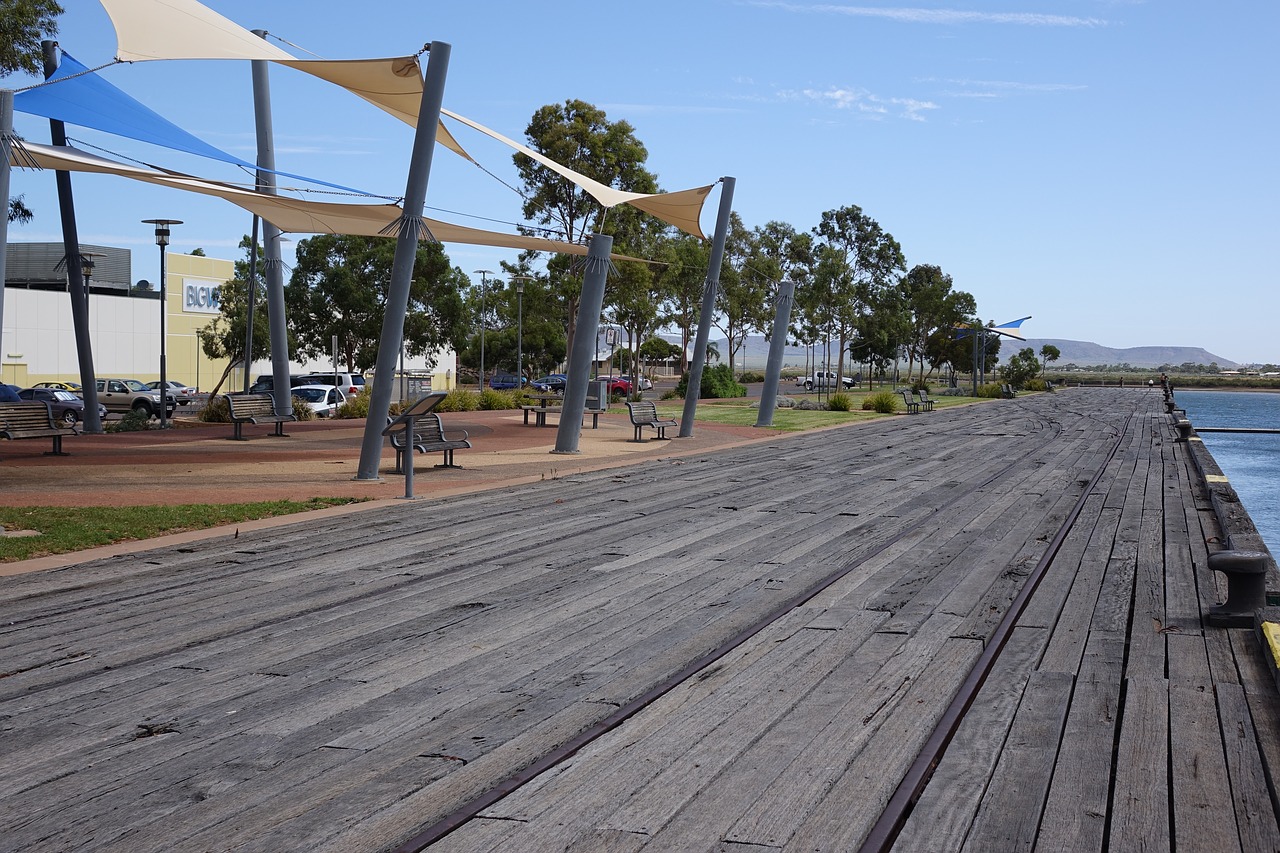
<point>38,342</point>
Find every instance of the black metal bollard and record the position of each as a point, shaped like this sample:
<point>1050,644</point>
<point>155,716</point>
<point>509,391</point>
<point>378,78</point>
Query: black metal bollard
<point>1246,573</point>
<point>1184,429</point>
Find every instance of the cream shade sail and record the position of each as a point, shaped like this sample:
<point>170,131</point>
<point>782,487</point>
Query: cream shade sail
<point>289,214</point>
<point>185,29</point>
<point>681,209</point>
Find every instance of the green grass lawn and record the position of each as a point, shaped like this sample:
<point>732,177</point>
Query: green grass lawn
<point>63,529</point>
<point>738,412</point>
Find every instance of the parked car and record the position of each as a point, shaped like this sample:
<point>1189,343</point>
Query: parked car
<point>351,384</point>
<point>181,393</point>
<point>73,387</point>
<point>645,383</point>
<point>552,383</point>
<point>824,379</point>
<point>9,393</point>
<point>130,395</point>
<point>617,384</point>
<point>324,400</point>
<point>266,382</point>
<point>64,405</point>
<point>505,381</point>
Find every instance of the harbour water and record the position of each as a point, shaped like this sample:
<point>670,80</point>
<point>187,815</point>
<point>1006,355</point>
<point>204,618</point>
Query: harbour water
<point>1250,461</point>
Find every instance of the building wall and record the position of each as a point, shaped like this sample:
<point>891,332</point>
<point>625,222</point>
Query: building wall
<point>38,342</point>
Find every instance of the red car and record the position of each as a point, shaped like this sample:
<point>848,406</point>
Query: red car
<point>617,385</point>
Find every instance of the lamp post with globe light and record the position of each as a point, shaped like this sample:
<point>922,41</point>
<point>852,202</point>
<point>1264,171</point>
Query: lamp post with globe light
<point>162,240</point>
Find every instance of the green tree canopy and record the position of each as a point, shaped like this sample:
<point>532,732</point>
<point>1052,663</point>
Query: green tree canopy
<point>935,309</point>
<point>1048,353</point>
<point>225,336</point>
<point>23,25</point>
<point>339,287</point>
<point>579,135</point>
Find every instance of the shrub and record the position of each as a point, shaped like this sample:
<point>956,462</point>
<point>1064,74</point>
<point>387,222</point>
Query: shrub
<point>671,394</point>
<point>921,385</point>
<point>840,403</point>
<point>300,410</point>
<point>215,411</point>
<point>717,383</point>
<point>354,407</point>
<point>1034,385</point>
<point>990,390</point>
<point>884,402</point>
<point>458,400</point>
<point>131,421</point>
<point>491,399</point>
<point>751,376</point>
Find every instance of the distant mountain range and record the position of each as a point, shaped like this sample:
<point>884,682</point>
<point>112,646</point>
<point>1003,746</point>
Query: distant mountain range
<point>1085,354</point>
<point>1081,353</point>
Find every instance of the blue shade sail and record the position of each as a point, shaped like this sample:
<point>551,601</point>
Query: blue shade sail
<point>87,100</point>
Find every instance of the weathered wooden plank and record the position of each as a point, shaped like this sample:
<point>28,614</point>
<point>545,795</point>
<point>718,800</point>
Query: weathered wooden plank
<point>1009,815</point>
<point>1141,798</point>
<point>1203,811</point>
<point>1255,816</point>
<point>1074,819</point>
<point>941,818</point>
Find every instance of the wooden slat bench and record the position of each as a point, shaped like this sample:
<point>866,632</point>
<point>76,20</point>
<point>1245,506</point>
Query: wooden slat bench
<point>33,420</point>
<point>926,402</point>
<point>913,406</point>
<point>428,436</point>
<point>255,409</point>
<point>645,414</point>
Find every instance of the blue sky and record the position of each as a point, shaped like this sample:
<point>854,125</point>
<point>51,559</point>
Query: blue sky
<point>1106,167</point>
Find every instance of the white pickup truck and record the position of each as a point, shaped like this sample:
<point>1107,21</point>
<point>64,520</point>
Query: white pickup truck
<point>824,379</point>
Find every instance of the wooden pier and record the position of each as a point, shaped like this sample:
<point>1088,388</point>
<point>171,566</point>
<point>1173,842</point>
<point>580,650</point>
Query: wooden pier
<point>746,650</point>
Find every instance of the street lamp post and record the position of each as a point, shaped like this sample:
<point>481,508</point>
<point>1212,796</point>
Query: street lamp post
<point>484,281</point>
<point>162,240</point>
<point>519,282</point>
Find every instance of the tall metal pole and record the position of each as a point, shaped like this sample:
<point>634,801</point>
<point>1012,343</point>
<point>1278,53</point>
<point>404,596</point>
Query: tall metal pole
<point>519,335</point>
<point>79,290</point>
<point>252,301</point>
<point>484,285</point>
<point>415,197</point>
<point>708,313</point>
<point>777,348</point>
<point>6,137</point>
<point>164,375</point>
<point>162,240</point>
<point>584,344</point>
<point>274,267</point>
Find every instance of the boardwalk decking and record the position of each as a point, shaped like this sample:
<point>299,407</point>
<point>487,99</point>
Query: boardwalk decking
<point>782,625</point>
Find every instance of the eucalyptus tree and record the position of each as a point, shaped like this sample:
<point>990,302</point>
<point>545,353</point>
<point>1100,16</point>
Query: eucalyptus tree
<point>682,279</point>
<point>224,337</point>
<point>527,325</point>
<point>740,296</point>
<point>934,307</point>
<point>779,253</point>
<point>23,25</point>
<point>579,135</point>
<point>339,287</point>
<point>868,260</point>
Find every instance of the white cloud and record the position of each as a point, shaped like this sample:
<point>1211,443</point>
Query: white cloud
<point>864,102</point>
<point>911,15</point>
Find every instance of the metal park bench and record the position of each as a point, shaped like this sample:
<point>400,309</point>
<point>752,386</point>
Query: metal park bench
<point>926,402</point>
<point>33,420</point>
<point>1007,392</point>
<point>913,406</point>
<point>255,409</point>
<point>645,414</point>
<point>419,428</point>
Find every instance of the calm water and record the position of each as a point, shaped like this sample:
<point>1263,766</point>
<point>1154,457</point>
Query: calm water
<point>1251,462</point>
